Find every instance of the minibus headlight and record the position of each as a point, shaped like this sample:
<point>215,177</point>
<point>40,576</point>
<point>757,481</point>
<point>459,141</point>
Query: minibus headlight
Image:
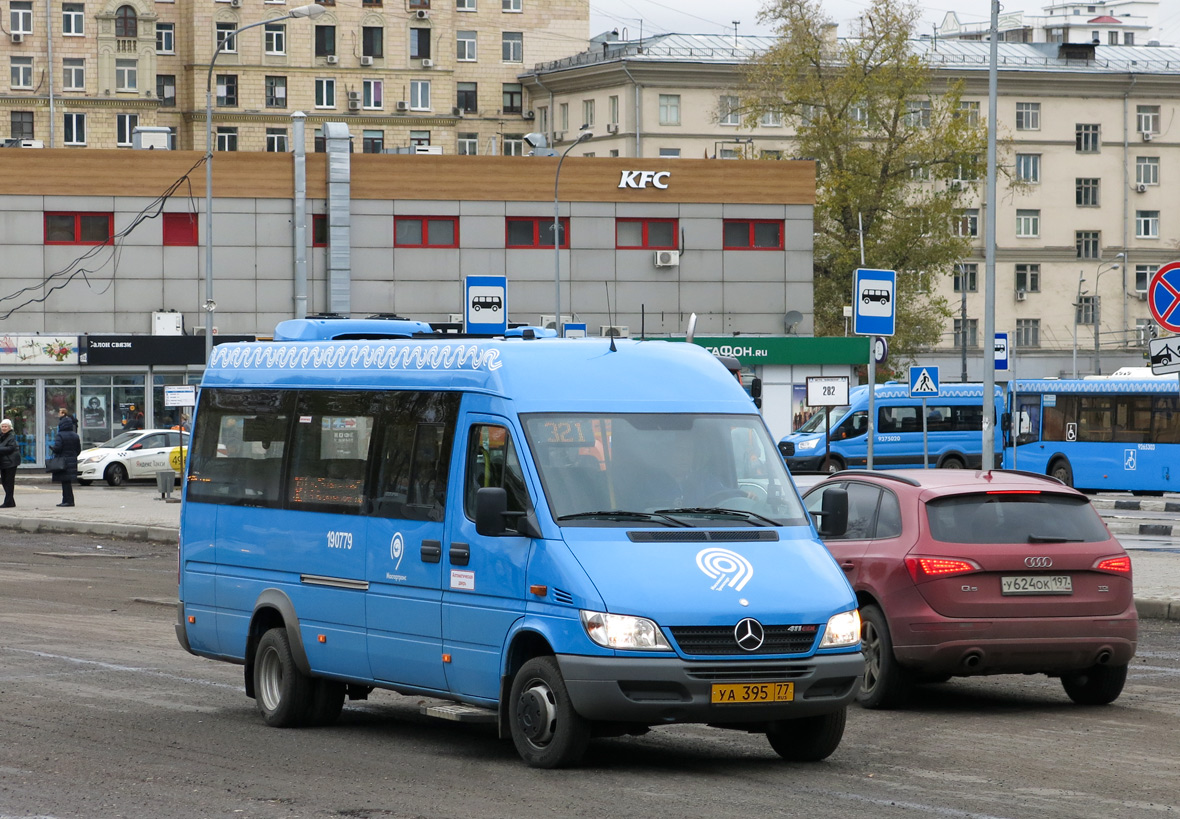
<point>623,632</point>
<point>807,444</point>
<point>843,630</point>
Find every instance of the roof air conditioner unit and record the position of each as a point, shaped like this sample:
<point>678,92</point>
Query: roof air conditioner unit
<point>547,320</point>
<point>427,63</point>
<point>332,59</point>
<point>235,4</point>
<point>612,127</point>
<point>366,60</point>
<point>1141,188</point>
<point>354,105</point>
<point>614,330</point>
<point>18,38</point>
<point>1021,295</point>
<point>402,105</point>
<point>529,114</point>
<point>1147,136</point>
<point>454,318</point>
<point>667,258</point>
<point>422,14</point>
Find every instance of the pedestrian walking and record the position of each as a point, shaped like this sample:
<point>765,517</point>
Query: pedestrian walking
<point>9,461</point>
<point>67,446</point>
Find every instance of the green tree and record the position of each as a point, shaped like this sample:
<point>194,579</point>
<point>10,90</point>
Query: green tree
<point>897,152</point>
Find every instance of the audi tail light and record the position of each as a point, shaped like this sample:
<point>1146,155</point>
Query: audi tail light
<point>929,568</point>
<point>1120,565</point>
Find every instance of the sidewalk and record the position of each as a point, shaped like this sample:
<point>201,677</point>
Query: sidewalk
<point>136,512</point>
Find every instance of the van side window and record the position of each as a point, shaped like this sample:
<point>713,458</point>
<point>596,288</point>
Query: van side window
<point>862,510</point>
<point>414,457</point>
<point>242,435</point>
<point>492,461</point>
<point>330,450</point>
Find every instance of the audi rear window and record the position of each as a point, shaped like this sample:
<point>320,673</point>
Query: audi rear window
<point>1014,518</point>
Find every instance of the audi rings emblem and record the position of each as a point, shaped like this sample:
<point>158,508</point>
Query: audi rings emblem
<point>1038,562</point>
<point>749,634</point>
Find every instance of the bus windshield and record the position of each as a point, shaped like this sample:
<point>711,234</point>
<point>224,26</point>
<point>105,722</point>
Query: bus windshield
<point>816,422</point>
<point>690,470</point>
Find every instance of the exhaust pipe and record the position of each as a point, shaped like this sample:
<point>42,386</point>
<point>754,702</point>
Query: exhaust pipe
<point>1104,656</point>
<point>972,659</point>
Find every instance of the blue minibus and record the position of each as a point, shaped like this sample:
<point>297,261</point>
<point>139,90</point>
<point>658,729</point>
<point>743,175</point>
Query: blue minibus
<point>565,538</point>
<point>953,433</point>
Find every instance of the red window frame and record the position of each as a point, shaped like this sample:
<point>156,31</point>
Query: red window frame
<point>424,220</point>
<point>647,244</point>
<point>180,230</point>
<point>564,221</point>
<point>319,230</point>
<point>751,224</point>
<point>77,238</point>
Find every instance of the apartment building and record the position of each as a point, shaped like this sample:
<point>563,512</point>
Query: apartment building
<point>1091,130</point>
<point>440,74</point>
<point>1113,22</point>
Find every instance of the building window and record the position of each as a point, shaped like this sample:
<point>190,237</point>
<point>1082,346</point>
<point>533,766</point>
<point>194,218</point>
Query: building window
<point>325,92</point>
<point>727,110</point>
<point>918,113</point>
<point>426,231</point>
<point>73,19</point>
<point>1147,119</point>
<point>180,230</point>
<point>1147,224</point>
<point>227,90</point>
<point>972,332</point>
<point>73,74</point>
<point>1028,224</point>
<point>1143,274</point>
<point>613,106</point>
<point>372,94</point>
<point>464,5</point>
<point>967,110</point>
<point>227,138</point>
<point>966,274</point>
<point>325,41</point>
<point>419,138</point>
<point>513,98</point>
<point>1086,193</point>
<point>752,234</point>
<point>652,234</point>
<point>1028,167</point>
<point>1088,243</point>
<point>514,146</point>
<point>373,41</point>
<point>126,75</point>
<point>543,119</point>
<point>510,5</point>
<point>166,89</point>
<point>465,46</point>
<point>225,35</point>
<point>125,125</point>
<point>535,231</point>
<point>165,38</point>
<point>466,96</point>
<point>669,109</point>
<point>276,91</point>
<point>420,95</point>
<point>21,124</point>
<point>79,228</point>
<point>771,119</point>
<point>21,16</point>
<point>1147,170</point>
<point>126,23</point>
<point>1028,333</point>
<point>1028,278</point>
<point>512,47</point>
<point>319,230</point>
<point>1128,38</point>
<point>373,141</point>
<point>968,223</point>
<point>1085,309</point>
<point>588,113</point>
<point>1028,116</point>
<point>75,129</point>
<point>563,116</point>
<point>468,144</point>
<point>276,140</point>
<point>1087,139</point>
<point>22,72</point>
<point>275,38</point>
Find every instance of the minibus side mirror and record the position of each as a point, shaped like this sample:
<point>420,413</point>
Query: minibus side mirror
<point>756,392</point>
<point>491,502</point>
<point>1006,422</point>
<point>833,513</point>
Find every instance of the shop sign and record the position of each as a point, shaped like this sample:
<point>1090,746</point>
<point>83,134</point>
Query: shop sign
<point>143,351</point>
<point>641,179</point>
<point>38,350</point>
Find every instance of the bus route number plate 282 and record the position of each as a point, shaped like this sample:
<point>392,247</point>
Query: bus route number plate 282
<point>752,693</point>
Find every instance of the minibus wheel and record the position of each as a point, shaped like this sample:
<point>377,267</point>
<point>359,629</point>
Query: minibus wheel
<point>952,462</point>
<point>808,739</point>
<point>1061,470</point>
<point>834,464</point>
<point>282,692</point>
<point>547,731</point>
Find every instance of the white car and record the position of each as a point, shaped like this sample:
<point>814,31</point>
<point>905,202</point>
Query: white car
<point>137,454</point>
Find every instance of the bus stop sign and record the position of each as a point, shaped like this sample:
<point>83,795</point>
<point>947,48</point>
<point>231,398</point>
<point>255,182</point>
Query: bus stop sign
<point>1163,296</point>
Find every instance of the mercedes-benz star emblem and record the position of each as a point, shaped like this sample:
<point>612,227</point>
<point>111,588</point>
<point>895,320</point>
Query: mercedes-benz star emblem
<point>1038,562</point>
<point>749,634</point>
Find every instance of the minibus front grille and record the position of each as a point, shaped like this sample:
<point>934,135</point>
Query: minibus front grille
<point>706,640</point>
<point>703,536</point>
<point>741,672</point>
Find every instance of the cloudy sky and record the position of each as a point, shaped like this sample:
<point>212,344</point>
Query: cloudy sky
<point>712,17</point>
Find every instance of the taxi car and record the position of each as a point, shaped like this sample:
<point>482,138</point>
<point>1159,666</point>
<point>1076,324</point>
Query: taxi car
<point>130,455</point>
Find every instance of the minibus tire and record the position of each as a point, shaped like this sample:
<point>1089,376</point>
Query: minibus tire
<point>1062,471</point>
<point>282,692</point>
<point>1097,685</point>
<point>952,462</point>
<point>327,701</point>
<point>834,464</point>
<point>885,683</point>
<point>808,739</point>
<point>547,731</point>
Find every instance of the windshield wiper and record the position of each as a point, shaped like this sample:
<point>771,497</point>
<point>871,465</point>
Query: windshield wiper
<point>1047,539</point>
<point>719,511</point>
<point>623,514</point>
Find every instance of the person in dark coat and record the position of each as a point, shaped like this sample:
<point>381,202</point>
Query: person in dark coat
<point>9,461</point>
<point>67,446</point>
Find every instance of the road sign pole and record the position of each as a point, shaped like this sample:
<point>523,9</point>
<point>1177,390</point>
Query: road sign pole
<point>872,427</point>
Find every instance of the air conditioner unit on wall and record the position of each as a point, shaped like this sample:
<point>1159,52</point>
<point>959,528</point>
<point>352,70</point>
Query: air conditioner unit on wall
<point>332,59</point>
<point>236,4</point>
<point>1147,136</point>
<point>354,95</point>
<point>547,320</point>
<point>428,63</point>
<point>1021,295</point>
<point>354,105</point>
<point>615,330</point>
<point>402,105</point>
<point>1141,189</point>
<point>529,115</point>
<point>612,127</point>
<point>1141,295</point>
<point>366,60</point>
<point>422,14</point>
<point>18,38</point>
<point>667,258</point>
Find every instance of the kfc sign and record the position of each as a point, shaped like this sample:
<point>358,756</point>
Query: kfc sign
<point>641,179</point>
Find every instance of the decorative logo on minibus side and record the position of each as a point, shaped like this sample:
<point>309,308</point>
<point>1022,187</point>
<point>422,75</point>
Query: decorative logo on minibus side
<point>356,356</point>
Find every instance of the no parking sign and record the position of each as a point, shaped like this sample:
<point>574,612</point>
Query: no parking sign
<point>1163,296</point>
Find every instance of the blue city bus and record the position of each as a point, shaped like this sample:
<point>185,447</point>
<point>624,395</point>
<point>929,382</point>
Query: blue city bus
<point>1117,432</point>
<point>953,434</point>
<point>563,538</point>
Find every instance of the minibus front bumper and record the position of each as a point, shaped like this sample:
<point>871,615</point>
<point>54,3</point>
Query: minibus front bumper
<point>657,691</point>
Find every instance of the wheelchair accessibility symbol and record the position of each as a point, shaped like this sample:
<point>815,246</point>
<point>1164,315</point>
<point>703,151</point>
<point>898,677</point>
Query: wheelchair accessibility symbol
<point>1129,459</point>
<point>1071,432</point>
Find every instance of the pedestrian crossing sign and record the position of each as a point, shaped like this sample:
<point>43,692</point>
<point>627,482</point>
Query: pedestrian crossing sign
<point>923,382</point>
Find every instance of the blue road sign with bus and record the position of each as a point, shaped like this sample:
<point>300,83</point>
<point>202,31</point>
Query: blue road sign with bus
<point>874,298</point>
<point>485,309</point>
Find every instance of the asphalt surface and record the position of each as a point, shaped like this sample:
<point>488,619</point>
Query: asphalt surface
<point>138,512</point>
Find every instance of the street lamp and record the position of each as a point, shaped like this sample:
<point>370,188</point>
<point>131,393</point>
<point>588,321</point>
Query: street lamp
<point>582,137</point>
<point>1077,305</point>
<point>313,10</point>
<point>1109,266</point>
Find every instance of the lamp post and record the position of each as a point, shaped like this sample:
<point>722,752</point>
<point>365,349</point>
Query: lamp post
<point>1109,266</point>
<point>210,305</point>
<point>1077,306</point>
<point>582,137</point>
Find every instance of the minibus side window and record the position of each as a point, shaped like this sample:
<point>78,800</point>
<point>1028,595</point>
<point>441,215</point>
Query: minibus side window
<point>492,461</point>
<point>238,446</point>
<point>414,455</point>
<point>330,450</point>
<point>853,426</point>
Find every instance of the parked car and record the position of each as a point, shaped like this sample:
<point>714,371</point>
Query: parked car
<point>130,455</point>
<point>961,573</point>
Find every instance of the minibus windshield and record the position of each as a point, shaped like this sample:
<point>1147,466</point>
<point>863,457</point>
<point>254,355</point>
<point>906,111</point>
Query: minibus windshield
<point>816,422</point>
<point>669,469</point>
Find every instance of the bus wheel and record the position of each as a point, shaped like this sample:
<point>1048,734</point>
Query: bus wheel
<point>952,463</point>
<point>808,739</point>
<point>834,464</point>
<point>547,731</point>
<point>283,692</point>
<point>1061,470</point>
